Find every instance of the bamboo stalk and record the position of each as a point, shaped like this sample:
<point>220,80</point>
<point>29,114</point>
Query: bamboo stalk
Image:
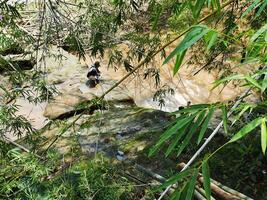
<point>7,140</point>
<point>219,192</point>
<point>215,131</point>
<point>202,192</point>
<point>161,179</point>
<point>219,189</point>
<point>230,190</point>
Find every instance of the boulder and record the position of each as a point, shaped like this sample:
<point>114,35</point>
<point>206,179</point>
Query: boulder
<point>65,104</point>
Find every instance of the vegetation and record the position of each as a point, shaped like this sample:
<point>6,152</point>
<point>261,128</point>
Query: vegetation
<point>228,37</point>
<point>31,179</point>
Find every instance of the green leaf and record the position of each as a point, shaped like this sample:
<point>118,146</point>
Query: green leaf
<point>262,7</point>
<point>246,107</point>
<point>263,136</point>
<point>180,123</point>
<point>258,33</point>
<point>205,125</point>
<point>190,134</point>
<point>211,37</point>
<point>197,8</point>
<point>253,82</point>
<point>174,179</point>
<point>175,195</point>
<point>191,185</point>
<point>209,3</point>
<point>246,129</point>
<point>251,7</point>
<point>175,141</point>
<point>196,33</point>
<point>158,12</point>
<point>178,62</point>
<point>224,117</point>
<point>198,122</point>
<point>206,176</point>
<point>217,5</point>
<point>264,83</point>
<point>229,78</point>
<point>193,108</point>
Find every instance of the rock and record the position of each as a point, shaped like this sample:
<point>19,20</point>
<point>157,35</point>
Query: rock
<point>65,104</point>
<point>120,156</point>
<point>130,123</point>
<point>99,132</point>
<point>65,71</point>
<point>20,61</point>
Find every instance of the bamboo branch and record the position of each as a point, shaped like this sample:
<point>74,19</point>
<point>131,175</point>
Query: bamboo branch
<point>215,131</point>
<point>202,192</point>
<point>7,140</point>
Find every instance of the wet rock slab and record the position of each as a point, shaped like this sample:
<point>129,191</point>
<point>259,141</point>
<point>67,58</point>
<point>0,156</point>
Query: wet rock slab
<point>66,104</point>
<point>128,130</point>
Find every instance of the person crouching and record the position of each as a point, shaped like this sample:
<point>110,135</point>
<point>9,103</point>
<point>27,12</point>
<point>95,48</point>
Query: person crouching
<point>93,75</point>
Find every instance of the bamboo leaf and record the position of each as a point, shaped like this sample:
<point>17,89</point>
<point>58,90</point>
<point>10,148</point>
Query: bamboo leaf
<point>251,7</point>
<point>190,134</point>
<point>246,107</point>
<point>174,179</point>
<point>262,7</point>
<point>224,117</point>
<point>217,5</point>
<point>209,3</point>
<point>229,78</point>
<point>264,83</point>
<point>175,141</point>
<point>176,195</point>
<point>156,18</point>
<point>197,8</point>
<point>263,136</point>
<point>194,127</point>
<point>206,176</point>
<point>205,125</point>
<point>178,62</point>
<point>167,134</point>
<point>246,129</point>
<point>211,37</point>
<point>191,185</point>
<point>198,122</point>
<point>253,82</point>
<point>196,33</point>
<point>258,33</point>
